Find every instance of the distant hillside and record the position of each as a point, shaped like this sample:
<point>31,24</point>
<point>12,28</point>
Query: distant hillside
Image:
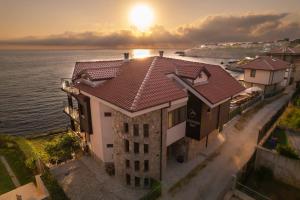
<point>237,52</point>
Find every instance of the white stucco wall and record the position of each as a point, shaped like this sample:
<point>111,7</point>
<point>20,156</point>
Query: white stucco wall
<point>261,76</point>
<point>102,131</point>
<point>176,132</point>
<point>278,76</point>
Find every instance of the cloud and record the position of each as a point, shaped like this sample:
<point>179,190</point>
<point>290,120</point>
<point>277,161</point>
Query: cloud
<point>250,27</point>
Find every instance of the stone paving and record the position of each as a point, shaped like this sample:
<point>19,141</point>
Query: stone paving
<point>86,179</point>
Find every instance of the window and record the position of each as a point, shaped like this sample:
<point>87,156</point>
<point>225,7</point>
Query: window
<point>137,181</point>
<point>176,116</point>
<point>146,182</point>
<point>136,147</point>
<point>126,128</point>
<point>107,114</point>
<point>146,148</point>
<point>137,165</point>
<point>135,129</point>
<point>109,145</point>
<point>252,73</point>
<point>146,165</point>
<point>146,130</point>
<point>127,163</point>
<point>128,179</point>
<point>126,144</point>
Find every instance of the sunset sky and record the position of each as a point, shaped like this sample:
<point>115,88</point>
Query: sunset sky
<point>103,23</point>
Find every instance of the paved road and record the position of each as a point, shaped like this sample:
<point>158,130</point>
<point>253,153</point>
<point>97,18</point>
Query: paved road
<point>212,181</point>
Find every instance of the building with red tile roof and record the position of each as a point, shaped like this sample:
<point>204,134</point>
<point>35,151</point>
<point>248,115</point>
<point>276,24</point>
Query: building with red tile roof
<point>132,112</point>
<point>290,55</point>
<point>268,73</point>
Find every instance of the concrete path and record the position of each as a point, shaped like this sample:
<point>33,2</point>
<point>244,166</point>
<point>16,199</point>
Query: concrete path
<point>10,171</point>
<point>215,179</point>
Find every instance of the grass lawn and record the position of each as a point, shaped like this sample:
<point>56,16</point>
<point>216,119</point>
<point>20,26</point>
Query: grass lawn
<point>15,156</point>
<point>6,183</point>
<point>291,118</point>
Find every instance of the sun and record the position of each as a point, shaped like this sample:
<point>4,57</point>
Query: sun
<point>141,16</point>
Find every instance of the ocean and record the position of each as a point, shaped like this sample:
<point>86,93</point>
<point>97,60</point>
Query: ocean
<point>31,101</point>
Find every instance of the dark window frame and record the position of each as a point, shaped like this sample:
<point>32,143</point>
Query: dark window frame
<point>146,130</point>
<point>137,181</point>
<point>126,145</point>
<point>146,148</point>
<point>253,73</point>
<point>136,130</point>
<point>146,165</point>
<point>136,147</point>
<point>125,127</point>
<point>136,165</point>
<point>128,179</point>
<point>107,114</point>
<point>146,182</point>
<point>127,163</point>
<point>109,145</point>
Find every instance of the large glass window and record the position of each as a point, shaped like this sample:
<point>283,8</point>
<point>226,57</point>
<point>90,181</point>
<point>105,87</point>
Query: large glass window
<point>176,116</point>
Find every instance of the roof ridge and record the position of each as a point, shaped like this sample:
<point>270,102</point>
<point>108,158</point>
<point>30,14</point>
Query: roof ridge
<point>141,88</point>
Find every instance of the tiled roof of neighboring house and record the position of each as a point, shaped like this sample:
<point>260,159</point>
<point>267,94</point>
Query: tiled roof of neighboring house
<point>80,66</point>
<point>143,83</point>
<point>285,50</point>
<point>100,73</point>
<point>266,63</point>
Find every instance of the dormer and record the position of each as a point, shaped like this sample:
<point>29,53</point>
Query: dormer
<point>202,78</point>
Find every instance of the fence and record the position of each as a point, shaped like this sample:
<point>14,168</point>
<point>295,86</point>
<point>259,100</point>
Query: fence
<point>248,191</point>
<point>244,106</point>
<point>274,93</point>
<point>263,131</point>
<point>243,175</point>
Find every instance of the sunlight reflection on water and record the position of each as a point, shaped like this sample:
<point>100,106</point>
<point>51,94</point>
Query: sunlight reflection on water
<point>140,53</point>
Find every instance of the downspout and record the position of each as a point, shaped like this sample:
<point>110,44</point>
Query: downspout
<point>161,142</point>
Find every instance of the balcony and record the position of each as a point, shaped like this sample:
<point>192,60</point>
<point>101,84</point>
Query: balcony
<point>67,86</point>
<point>72,112</point>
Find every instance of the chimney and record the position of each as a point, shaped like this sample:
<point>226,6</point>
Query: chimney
<point>126,56</point>
<point>161,53</point>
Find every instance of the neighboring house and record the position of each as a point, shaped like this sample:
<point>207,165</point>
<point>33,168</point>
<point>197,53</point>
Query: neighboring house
<point>270,74</point>
<point>138,113</point>
<point>291,55</point>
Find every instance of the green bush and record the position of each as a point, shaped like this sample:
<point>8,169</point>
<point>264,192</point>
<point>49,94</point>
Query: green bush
<point>61,149</point>
<point>155,191</point>
<point>287,151</point>
<point>290,118</point>
<point>55,191</point>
